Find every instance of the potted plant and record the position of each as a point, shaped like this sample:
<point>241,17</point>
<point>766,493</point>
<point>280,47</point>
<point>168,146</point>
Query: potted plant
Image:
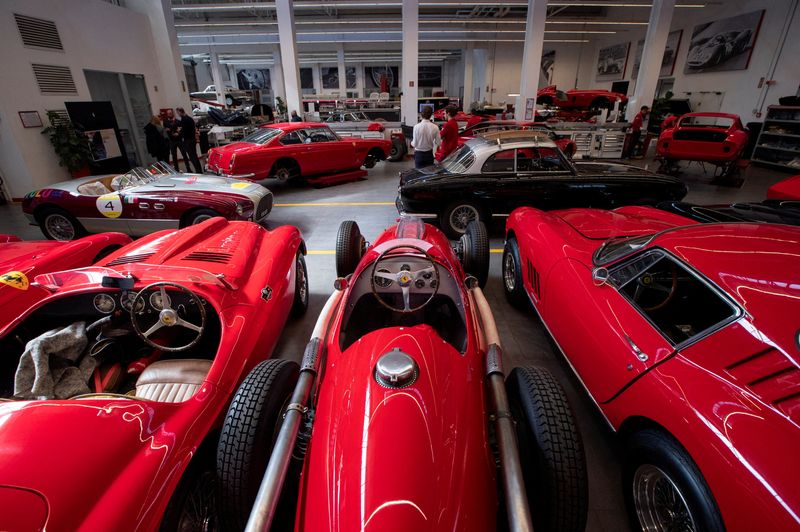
<point>281,106</point>
<point>71,147</point>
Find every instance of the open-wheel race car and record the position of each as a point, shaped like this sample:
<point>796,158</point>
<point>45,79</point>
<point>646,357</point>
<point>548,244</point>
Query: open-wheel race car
<point>114,385</point>
<point>714,138</point>
<point>686,337</point>
<point>580,98</point>
<point>398,417</point>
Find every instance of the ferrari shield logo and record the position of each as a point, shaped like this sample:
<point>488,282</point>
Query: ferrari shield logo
<point>16,280</point>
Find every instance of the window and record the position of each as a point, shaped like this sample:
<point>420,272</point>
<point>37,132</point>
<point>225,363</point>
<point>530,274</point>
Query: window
<point>319,134</point>
<point>675,300</point>
<point>262,135</point>
<point>539,160</point>
<point>459,161</point>
<point>500,162</point>
<point>293,137</point>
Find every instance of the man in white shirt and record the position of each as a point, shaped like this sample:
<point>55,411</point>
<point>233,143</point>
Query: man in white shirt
<point>426,139</point>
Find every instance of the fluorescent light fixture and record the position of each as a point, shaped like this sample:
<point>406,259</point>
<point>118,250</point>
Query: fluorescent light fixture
<point>513,94</point>
<point>356,5</point>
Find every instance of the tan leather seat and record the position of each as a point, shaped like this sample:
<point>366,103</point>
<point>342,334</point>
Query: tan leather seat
<point>172,381</point>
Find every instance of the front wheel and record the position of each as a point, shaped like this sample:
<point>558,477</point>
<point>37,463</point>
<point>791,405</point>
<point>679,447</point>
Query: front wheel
<point>455,218</point>
<point>199,216</point>
<point>370,161</point>
<point>58,224</point>
<point>300,302</point>
<point>397,151</point>
<point>512,274</point>
<point>474,251</point>
<point>664,489</point>
<point>350,247</point>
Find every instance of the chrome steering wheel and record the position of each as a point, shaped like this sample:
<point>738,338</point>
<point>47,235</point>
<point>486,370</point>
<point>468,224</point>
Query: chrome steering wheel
<point>408,281</point>
<point>167,316</point>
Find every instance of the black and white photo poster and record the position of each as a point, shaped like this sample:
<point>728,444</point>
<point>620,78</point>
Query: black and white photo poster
<point>611,62</point>
<point>725,44</point>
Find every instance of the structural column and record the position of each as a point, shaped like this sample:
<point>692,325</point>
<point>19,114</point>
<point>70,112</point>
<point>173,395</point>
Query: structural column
<point>288,52</point>
<point>531,60</point>
<point>655,42</point>
<point>410,67</point>
<point>469,55</point>
<point>342,72</point>
<point>276,80</point>
<point>216,77</point>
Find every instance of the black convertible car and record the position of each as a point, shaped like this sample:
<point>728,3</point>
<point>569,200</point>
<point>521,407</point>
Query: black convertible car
<point>498,172</point>
<point>769,211</point>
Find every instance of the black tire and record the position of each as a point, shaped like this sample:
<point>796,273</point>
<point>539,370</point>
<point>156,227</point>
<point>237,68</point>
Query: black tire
<point>601,103</point>
<point>512,275</point>
<point>285,171</point>
<point>58,224</point>
<point>544,100</point>
<point>105,252</point>
<point>370,161</point>
<point>456,216</point>
<point>654,458</point>
<point>350,247</point>
<point>193,505</point>
<point>398,150</point>
<point>551,451</point>
<point>198,216</point>
<point>474,247</point>
<point>248,435</point>
<point>300,302</point>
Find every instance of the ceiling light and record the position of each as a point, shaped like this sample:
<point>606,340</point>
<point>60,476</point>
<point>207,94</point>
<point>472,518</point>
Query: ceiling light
<point>513,94</point>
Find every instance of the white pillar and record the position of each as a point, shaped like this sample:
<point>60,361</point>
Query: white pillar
<point>410,67</point>
<point>342,71</point>
<point>288,53</point>
<point>468,58</point>
<point>216,77</point>
<point>317,79</point>
<point>531,58</point>
<point>360,91</point>
<point>650,67</point>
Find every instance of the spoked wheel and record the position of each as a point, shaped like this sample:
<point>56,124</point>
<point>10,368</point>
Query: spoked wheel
<point>512,274</point>
<point>457,216</point>
<point>300,303</point>
<point>473,250</point>
<point>57,224</point>
<point>350,247</point>
<point>659,503</point>
<point>283,172</point>
<point>193,506</point>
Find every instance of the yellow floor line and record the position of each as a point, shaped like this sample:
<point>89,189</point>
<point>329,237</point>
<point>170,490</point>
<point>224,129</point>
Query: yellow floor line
<point>337,204</point>
<point>333,252</point>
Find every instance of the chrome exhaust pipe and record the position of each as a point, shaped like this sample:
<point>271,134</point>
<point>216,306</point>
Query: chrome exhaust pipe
<point>269,491</point>
<point>519,514</point>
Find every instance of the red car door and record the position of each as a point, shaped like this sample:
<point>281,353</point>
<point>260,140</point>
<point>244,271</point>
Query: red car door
<point>324,152</point>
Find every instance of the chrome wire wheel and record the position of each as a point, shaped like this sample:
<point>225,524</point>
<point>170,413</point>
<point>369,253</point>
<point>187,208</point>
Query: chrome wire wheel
<point>660,505</point>
<point>302,280</point>
<point>461,216</point>
<point>60,227</point>
<point>509,272</point>
<point>282,174</point>
<point>199,512</point>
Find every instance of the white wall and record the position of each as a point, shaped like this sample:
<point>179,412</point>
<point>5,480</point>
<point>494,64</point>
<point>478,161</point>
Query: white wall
<point>96,36</point>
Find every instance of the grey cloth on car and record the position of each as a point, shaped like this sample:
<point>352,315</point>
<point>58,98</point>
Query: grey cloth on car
<point>51,366</point>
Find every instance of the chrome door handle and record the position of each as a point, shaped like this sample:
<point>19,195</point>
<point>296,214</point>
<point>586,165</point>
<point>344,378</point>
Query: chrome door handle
<point>144,205</point>
<point>159,206</point>
<point>641,355</point>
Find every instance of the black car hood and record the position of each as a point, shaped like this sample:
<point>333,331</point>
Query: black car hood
<point>609,167</point>
<point>423,175</point>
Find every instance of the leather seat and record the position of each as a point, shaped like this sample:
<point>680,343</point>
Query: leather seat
<point>172,381</point>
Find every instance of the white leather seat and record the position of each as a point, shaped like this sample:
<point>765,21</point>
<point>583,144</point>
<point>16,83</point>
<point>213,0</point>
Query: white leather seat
<point>172,381</point>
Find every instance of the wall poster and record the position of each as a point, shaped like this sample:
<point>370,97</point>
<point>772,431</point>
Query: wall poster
<point>611,62</point>
<point>667,62</point>
<point>724,44</point>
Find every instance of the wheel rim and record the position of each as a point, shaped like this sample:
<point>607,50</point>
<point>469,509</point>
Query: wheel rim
<point>302,286</point>
<point>199,510</point>
<point>201,218</point>
<point>461,216</point>
<point>60,227</point>
<point>660,505</point>
<point>282,174</point>
<point>509,272</point>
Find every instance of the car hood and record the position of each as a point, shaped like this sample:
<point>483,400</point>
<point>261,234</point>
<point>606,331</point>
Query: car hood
<point>415,458</point>
<point>428,174</point>
<point>612,167</point>
<point>203,183</point>
<point>598,224</point>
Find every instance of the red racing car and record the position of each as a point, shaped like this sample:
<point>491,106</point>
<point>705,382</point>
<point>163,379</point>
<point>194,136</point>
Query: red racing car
<point>398,417</point>
<point>580,98</point>
<point>716,138</point>
<point>566,144</point>
<point>686,338</point>
<point>115,384</point>
<point>296,149</point>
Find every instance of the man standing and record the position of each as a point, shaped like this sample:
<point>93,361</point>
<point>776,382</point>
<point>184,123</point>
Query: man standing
<point>449,134</point>
<point>189,143</point>
<point>295,117</point>
<point>640,121</point>
<point>172,129</point>
<point>425,139</point>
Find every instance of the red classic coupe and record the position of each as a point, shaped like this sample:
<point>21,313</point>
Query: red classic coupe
<point>142,201</point>
<point>566,144</point>
<point>686,338</point>
<point>399,417</point>
<point>115,384</point>
<point>295,149</point>
<point>580,98</point>
<point>716,138</point>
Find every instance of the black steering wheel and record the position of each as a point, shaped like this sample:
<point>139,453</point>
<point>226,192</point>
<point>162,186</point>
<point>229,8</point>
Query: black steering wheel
<point>665,284</point>
<point>408,281</point>
<point>167,316</point>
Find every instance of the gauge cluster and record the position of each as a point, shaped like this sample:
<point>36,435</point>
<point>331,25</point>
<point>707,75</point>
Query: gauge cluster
<point>107,303</point>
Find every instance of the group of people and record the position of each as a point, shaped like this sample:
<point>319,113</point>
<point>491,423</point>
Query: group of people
<point>427,137</point>
<point>168,134</point>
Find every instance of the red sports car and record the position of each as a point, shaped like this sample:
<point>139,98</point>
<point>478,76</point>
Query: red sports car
<point>566,144</point>
<point>295,149</point>
<point>788,189</point>
<point>408,425</point>
<point>717,138</point>
<point>686,338</point>
<point>142,201</point>
<point>580,98</point>
<point>114,386</point>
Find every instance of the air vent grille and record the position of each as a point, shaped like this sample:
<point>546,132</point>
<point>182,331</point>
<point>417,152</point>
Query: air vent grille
<point>38,32</point>
<point>54,79</point>
<point>209,256</point>
<point>773,377</point>
<point>128,259</point>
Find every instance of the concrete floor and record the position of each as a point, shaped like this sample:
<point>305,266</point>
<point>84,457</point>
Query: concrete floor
<point>371,203</point>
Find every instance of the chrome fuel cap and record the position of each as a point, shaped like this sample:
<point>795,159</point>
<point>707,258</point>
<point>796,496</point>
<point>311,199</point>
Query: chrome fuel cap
<point>396,369</point>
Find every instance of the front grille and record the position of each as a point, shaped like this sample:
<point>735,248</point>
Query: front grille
<point>703,136</point>
<point>128,259</point>
<point>264,206</point>
<point>209,256</point>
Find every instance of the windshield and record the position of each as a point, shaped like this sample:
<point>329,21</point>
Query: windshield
<point>459,161</point>
<point>614,249</point>
<point>141,273</point>
<point>707,121</point>
<point>262,135</point>
<point>135,177</point>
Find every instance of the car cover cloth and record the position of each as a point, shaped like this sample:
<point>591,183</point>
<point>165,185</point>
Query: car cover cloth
<point>51,366</point>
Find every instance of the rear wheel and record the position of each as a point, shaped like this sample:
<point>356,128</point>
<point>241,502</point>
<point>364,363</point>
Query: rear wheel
<point>398,150</point>
<point>473,249</point>
<point>457,215</point>
<point>285,171</point>
<point>512,274</point>
<point>300,303</point>
<point>350,247</point>
<point>248,435</point>
<point>551,451</point>
<point>58,224</point>
<point>370,161</point>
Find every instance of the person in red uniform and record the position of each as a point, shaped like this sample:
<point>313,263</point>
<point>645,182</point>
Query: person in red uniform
<point>640,122</point>
<point>449,134</point>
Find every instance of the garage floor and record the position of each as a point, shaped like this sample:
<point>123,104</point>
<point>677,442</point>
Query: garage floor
<point>318,213</point>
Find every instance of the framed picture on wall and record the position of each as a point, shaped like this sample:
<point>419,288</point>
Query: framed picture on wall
<point>253,78</point>
<point>306,78</point>
<point>667,61</point>
<point>611,62</point>
<point>724,44</point>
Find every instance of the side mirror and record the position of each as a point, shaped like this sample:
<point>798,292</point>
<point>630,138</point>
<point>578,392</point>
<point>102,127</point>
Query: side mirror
<point>600,276</point>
